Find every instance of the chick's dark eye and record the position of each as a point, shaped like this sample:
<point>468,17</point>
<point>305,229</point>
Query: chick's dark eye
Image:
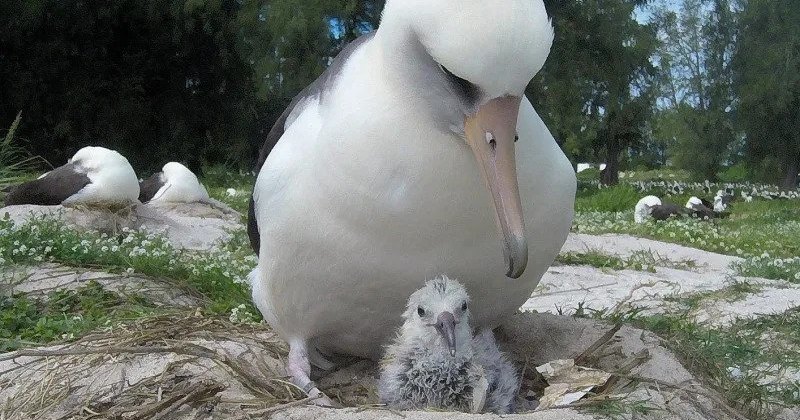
<point>464,306</point>
<point>420,311</point>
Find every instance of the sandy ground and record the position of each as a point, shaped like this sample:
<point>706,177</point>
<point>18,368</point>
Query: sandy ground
<point>564,289</point>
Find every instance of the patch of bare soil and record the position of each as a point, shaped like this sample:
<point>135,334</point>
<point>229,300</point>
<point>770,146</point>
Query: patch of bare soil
<point>39,281</point>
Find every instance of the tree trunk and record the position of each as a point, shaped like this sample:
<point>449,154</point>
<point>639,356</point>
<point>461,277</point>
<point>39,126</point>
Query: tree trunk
<point>792,167</point>
<point>610,176</point>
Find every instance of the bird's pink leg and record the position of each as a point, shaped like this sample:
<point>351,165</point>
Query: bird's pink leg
<point>299,369</point>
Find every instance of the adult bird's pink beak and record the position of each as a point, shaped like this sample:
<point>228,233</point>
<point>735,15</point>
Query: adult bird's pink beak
<point>491,133</point>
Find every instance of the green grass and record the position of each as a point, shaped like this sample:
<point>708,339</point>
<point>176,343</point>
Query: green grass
<point>762,232</point>
<point>219,275</point>
<point>616,199</point>
<point>219,179</point>
<point>15,164</point>
<point>642,260</point>
<point>739,360</point>
<point>738,290</point>
<point>64,315</point>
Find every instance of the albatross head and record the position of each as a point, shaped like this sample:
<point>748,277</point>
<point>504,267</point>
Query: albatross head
<point>95,159</point>
<point>478,56</point>
<point>437,315</point>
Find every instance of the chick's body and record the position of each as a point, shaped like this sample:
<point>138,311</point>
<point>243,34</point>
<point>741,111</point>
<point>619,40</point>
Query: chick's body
<point>423,369</point>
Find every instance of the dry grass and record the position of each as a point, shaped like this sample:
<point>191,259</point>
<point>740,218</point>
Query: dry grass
<point>110,374</point>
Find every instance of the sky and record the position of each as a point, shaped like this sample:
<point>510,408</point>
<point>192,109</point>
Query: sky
<point>642,14</point>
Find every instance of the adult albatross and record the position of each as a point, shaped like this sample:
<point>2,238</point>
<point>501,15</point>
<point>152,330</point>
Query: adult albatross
<point>174,184</point>
<point>93,176</point>
<point>414,154</point>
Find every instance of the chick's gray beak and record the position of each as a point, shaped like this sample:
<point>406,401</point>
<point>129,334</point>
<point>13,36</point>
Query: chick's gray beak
<point>446,325</point>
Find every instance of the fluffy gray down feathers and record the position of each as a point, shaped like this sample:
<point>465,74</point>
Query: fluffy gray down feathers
<point>418,372</point>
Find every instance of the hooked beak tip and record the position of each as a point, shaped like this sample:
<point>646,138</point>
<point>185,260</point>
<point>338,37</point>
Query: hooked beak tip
<point>516,253</point>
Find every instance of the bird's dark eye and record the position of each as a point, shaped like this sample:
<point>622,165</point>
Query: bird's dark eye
<point>516,138</point>
<point>420,311</point>
<point>464,306</point>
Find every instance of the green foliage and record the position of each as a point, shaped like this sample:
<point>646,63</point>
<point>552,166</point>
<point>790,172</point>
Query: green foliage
<point>594,91</point>
<point>717,351</point>
<point>592,258</point>
<point>219,275</point>
<point>762,232</point>
<point>696,80</point>
<point>735,173</point>
<point>614,199</point>
<point>768,84</point>
<point>63,315</point>
<point>14,162</point>
<point>219,179</point>
<point>643,260</point>
<point>155,75</point>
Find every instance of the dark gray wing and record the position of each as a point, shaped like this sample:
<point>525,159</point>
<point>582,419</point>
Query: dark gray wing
<point>150,186</point>
<point>666,210</point>
<point>51,189</point>
<point>316,88</point>
<point>703,212</point>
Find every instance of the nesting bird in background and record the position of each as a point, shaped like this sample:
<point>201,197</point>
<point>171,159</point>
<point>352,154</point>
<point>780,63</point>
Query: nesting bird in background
<point>435,362</point>
<point>94,176</point>
<point>174,184</point>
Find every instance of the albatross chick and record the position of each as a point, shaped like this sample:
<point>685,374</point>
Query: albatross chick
<point>435,362</point>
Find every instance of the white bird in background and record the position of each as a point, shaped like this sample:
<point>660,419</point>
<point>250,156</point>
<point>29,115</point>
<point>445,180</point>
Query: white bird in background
<point>94,176</point>
<point>174,184</point>
<point>436,363</point>
<point>414,154</point>
<point>644,208</point>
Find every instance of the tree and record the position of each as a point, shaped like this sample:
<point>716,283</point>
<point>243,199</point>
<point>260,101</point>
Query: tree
<point>595,89</point>
<point>290,43</point>
<point>696,83</point>
<point>767,65</point>
<point>157,80</point>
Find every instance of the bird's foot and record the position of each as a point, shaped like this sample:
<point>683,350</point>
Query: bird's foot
<point>318,397</point>
<point>299,368</point>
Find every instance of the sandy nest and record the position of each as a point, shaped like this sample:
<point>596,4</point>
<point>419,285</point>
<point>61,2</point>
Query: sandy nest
<point>190,366</point>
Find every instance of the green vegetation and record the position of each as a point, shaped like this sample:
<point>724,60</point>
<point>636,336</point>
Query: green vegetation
<point>640,260</point>
<point>763,232</point>
<point>705,85</point>
<point>743,360</point>
<point>64,315</point>
<point>754,363</point>
<point>14,162</point>
<point>219,275</point>
<point>219,179</point>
